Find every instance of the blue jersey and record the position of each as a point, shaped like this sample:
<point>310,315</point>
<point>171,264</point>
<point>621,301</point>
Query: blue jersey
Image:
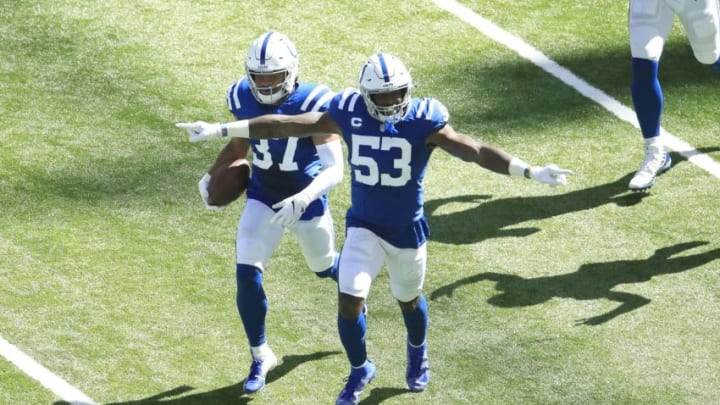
<point>387,171</point>
<point>282,167</point>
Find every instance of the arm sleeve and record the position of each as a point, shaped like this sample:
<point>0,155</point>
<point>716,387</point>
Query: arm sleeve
<point>332,172</point>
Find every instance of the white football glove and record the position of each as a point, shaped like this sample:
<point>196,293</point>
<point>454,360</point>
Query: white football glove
<point>550,174</point>
<point>291,209</point>
<point>201,130</point>
<point>204,194</point>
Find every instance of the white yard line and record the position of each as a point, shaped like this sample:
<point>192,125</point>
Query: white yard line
<point>75,397</point>
<point>29,366</point>
<point>525,50</point>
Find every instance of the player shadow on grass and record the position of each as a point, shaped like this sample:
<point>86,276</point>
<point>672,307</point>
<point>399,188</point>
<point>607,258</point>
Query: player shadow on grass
<point>230,395</point>
<point>494,218</point>
<point>379,395</point>
<point>591,281</point>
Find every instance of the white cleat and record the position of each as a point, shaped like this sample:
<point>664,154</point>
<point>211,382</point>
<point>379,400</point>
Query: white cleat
<point>259,369</point>
<point>656,161</point>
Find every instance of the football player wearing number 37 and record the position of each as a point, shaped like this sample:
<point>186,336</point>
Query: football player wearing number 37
<point>287,189</point>
<point>390,137</point>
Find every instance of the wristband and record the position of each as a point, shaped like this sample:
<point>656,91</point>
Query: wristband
<point>235,129</point>
<point>518,168</point>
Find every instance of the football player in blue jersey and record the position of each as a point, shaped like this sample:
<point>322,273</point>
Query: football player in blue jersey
<point>287,189</point>
<point>390,137</point>
<point>650,22</point>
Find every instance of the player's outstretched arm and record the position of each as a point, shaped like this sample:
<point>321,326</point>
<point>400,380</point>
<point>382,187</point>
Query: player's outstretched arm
<point>263,127</point>
<point>493,158</point>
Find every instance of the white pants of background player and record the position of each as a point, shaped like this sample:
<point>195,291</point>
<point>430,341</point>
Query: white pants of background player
<point>650,22</point>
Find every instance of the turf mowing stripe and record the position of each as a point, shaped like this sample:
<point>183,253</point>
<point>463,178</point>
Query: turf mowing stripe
<point>35,370</point>
<point>523,49</point>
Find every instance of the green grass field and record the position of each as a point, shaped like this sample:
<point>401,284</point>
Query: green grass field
<point>115,277</point>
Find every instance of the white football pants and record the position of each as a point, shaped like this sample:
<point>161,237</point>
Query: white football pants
<point>362,258</point>
<point>650,22</point>
<point>257,238</point>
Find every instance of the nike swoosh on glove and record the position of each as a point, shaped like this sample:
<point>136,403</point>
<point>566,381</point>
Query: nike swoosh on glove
<point>291,209</point>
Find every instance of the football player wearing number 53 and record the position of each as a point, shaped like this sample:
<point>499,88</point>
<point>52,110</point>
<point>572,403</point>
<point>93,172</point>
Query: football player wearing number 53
<point>287,189</point>
<point>390,137</point>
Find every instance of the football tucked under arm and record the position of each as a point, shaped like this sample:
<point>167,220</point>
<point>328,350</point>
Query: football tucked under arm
<point>227,183</point>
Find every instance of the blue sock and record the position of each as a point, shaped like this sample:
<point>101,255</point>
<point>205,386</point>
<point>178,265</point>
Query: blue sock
<point>416,322</point>
<point>647,96</point>
<point>251,302</point>
<point>352,336</point>
<point>331,272</point>
<point>716,65</point>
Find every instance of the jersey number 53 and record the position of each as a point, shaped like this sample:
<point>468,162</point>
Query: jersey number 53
<point>371,175</point>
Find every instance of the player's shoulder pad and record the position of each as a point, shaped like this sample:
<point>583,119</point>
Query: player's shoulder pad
<point>234,93</point>
<point>347,99</point>
<point>430,109</point>
<point>315,97</point>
